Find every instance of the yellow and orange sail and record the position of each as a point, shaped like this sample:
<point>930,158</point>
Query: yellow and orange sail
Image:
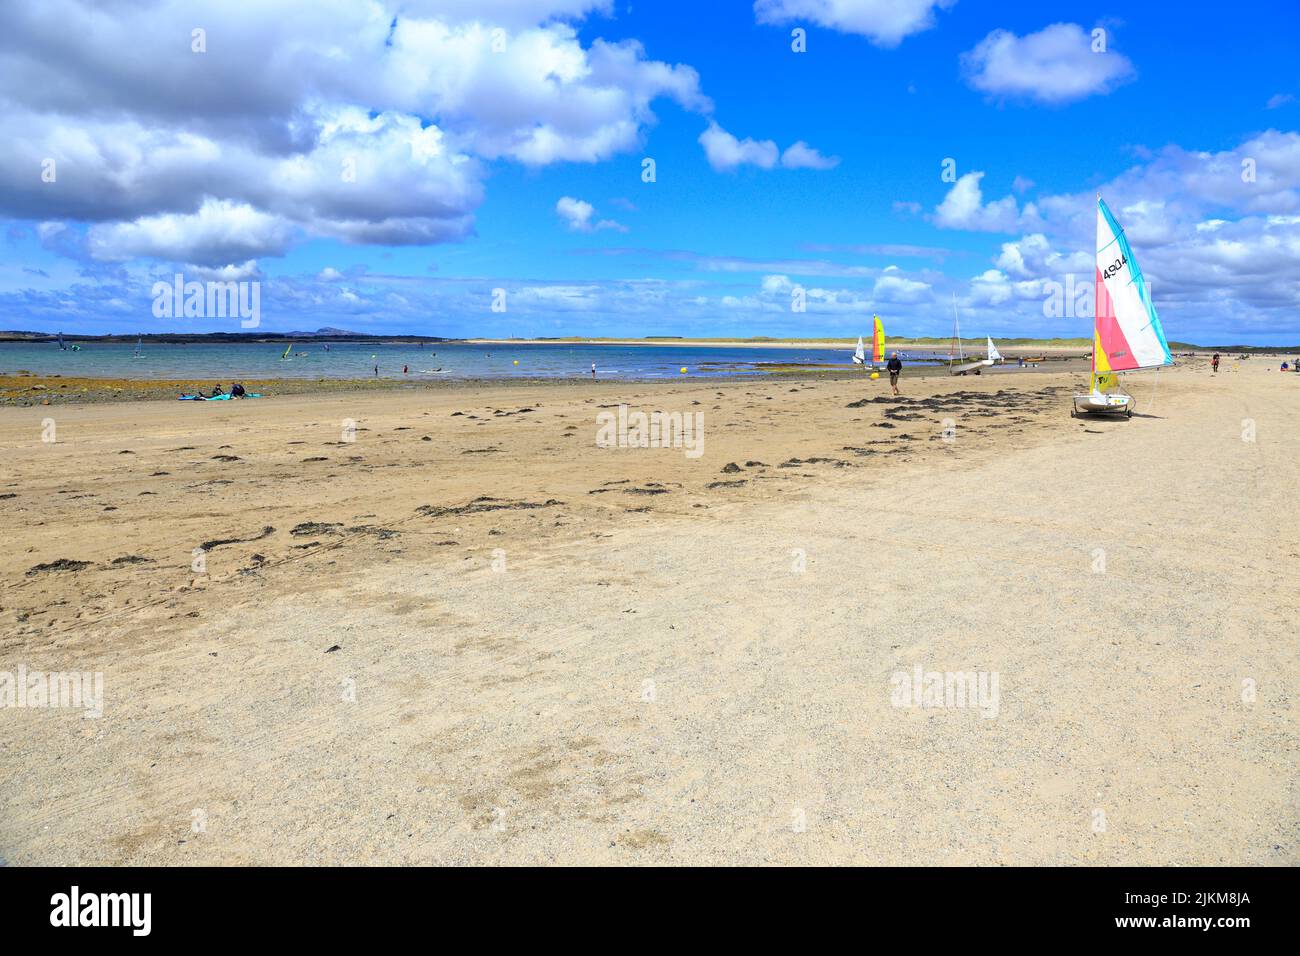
<point>878,341</point>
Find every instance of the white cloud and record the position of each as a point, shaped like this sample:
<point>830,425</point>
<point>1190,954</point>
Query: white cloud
<point>803,156</point>
<point>725,153</point>
<point>1032,256</point>
<point>884,22</point>
<point>899,289</point>
<point>220,232</point>
<point>411,95</point>
<point>1055,65</point>
<point>964,208</point>
<point>577,215</point>
<point>1278,99</point>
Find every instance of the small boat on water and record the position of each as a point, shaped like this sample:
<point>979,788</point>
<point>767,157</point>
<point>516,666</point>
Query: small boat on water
<point>1127,336</point>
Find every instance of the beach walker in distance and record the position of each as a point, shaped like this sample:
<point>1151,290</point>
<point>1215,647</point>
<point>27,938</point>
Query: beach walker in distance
<point>1127,336</point>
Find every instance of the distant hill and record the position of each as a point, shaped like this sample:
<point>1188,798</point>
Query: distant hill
<point>326,332</point>
<point>334,335</point>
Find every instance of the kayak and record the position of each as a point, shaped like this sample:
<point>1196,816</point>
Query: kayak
<point>213,398</point>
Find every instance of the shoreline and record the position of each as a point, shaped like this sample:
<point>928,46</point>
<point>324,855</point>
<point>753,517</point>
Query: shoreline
<point>25,391</point>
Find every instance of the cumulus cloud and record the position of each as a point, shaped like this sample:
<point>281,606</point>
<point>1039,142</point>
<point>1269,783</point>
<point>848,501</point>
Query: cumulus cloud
<point>578,214</point>
<point>893,286</point>
<point>364,122</point>
<point>220,232</point>
<point>964,208</point>
<point>725,153</point>
<point>803,156</point>
<point>883,22</point>
<point>1055,65</point>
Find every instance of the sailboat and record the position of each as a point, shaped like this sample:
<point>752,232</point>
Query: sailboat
<point>961,366</point>
<point>877,342</point>
<point>287,349</point>
<point>859,354</point>
<point>1127,335</point>
<point>138,354</point>
<point>62,347</point>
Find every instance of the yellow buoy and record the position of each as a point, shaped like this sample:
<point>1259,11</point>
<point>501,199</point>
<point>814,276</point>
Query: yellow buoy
<point>875,375</point>
<point>516,361</point>
<point>683,369</point>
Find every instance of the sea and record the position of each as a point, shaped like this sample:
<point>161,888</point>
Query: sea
<point>226,361</point>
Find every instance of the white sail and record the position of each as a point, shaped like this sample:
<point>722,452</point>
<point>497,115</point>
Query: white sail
<point>994,354</point>
<point>860,354</point>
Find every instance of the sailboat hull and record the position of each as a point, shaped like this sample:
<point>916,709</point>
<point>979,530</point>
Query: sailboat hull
<point>1098,403</point>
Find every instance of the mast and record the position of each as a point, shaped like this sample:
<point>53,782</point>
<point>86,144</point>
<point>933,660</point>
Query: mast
<point>1097,288</point>
<point>956,332</point>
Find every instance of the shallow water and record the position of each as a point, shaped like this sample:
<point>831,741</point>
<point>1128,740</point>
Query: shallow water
<point>226,361</point>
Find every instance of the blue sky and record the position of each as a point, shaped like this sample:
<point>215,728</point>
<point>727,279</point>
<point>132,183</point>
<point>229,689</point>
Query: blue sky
<point>499,145</point>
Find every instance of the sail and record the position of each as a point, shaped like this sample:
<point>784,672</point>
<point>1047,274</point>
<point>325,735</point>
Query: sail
<point>1127,334</point>
<point>286,351</point>
<point>878,341</point>
<point>859,354</point>
<point>61,345</point>
<point>994,354</point>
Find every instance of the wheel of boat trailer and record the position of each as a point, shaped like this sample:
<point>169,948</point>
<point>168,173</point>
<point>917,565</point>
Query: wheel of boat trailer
<point>1128,412</point>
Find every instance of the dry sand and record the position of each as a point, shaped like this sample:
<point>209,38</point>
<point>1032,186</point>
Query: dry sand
<point>616,659</point>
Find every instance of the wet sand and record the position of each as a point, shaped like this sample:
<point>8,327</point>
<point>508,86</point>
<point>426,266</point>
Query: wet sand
<point>444,626</point>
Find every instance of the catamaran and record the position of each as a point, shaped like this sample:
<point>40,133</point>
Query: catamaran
<point>1127,335</point>
<point>877,346</point>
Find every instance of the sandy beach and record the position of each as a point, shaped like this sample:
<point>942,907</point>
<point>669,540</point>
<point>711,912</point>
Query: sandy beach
<point>448,626</point>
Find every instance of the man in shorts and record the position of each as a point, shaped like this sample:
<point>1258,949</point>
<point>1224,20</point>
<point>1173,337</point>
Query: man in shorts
<point>895,366</point>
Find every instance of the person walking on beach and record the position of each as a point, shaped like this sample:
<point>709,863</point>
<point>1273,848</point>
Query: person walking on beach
<point>593,369</point>
<point>895,366</point>
<point>1214,363</point>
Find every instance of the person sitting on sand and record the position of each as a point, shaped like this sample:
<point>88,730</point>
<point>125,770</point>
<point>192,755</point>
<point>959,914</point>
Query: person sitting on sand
<point>895,366</point>
<point>216,390</point>
<point>237,391</point>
